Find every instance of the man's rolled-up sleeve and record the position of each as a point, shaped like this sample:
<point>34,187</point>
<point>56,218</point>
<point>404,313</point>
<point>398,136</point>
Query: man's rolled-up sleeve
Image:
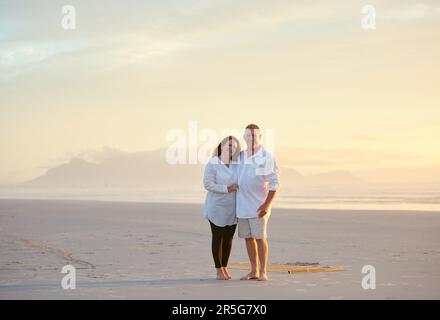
<point>274,176</point>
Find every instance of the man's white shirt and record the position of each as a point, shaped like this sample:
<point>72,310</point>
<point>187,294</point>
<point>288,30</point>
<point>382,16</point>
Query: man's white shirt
<point>257,175</point>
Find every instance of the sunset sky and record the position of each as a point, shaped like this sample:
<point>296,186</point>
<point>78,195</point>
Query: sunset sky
<point>337,96</point>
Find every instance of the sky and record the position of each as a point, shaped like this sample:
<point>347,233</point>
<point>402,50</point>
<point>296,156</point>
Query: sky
<point>337,97</point>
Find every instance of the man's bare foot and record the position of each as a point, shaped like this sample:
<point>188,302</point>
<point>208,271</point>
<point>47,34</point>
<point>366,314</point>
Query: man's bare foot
<point>226,272</point>
<point>250,276</point>
<point>221,275</point>
<point>263,277</point>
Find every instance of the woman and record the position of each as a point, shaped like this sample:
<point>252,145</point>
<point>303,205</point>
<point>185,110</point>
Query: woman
<point>220,180</point>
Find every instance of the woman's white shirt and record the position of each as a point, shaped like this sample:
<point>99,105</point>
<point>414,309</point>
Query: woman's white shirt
<point>219,203</point>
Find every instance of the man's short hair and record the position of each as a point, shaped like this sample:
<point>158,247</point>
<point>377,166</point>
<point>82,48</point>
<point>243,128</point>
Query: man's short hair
<point>252,127</point>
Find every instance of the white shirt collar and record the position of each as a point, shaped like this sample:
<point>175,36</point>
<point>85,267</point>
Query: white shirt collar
<point>259,153</point>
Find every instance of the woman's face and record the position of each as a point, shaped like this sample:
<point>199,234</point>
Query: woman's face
<point>229,148</point>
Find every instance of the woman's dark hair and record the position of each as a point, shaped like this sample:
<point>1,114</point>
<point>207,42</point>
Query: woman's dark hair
<point>218,150</point>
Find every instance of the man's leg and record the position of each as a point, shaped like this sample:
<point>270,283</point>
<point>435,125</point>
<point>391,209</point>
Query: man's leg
<point>244,231</point>
<point>263,251</point>
<point>251,246</point>
<point>263,247</point>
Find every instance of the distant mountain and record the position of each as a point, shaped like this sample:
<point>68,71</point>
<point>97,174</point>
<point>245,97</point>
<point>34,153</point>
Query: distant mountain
<point>149,169</point>
<point>139,169</point>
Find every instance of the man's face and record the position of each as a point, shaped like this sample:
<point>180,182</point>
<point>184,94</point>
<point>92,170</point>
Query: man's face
<point>252,137</point>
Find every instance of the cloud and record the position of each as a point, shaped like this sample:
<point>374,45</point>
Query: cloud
<point>412,11</point>
<point>135,32</point>
<point>18,57</point>
<point>139,31</point>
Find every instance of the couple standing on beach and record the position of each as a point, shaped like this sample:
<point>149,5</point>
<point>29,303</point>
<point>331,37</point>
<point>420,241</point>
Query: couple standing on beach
<point>241,186</point>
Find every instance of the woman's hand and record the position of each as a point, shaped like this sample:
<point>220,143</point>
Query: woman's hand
<point>233,187</point>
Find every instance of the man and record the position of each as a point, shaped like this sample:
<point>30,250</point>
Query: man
<point>258,181</point>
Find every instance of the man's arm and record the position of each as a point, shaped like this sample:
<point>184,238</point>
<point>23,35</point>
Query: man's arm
<point>262,210</point>
<point>274,181</point>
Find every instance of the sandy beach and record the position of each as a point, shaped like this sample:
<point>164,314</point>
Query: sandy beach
<point>134,250</point>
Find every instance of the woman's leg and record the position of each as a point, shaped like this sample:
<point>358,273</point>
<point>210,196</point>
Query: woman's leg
<point>227,246</point>
<point>216,247</point>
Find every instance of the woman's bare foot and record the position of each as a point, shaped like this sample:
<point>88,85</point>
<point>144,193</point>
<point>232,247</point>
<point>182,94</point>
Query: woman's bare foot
<point>250,276</point>
<point>226,272</point>
<point>221,275</point>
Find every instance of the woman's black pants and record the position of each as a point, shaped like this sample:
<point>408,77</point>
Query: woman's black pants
<point>221,243</point>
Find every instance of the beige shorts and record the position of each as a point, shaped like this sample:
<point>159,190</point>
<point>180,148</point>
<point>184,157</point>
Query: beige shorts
<point>253,228</point>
